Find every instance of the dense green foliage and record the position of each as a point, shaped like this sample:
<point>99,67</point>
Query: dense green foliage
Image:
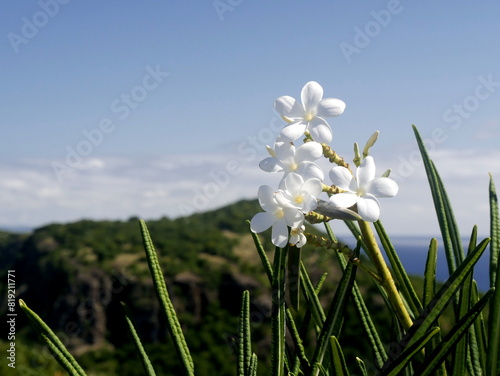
<point>61,268</point>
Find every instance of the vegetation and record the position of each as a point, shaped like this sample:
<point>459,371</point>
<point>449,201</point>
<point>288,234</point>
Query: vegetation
<point>214,312</point>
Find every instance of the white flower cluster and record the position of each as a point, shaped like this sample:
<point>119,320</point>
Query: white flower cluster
<point>302,183</point>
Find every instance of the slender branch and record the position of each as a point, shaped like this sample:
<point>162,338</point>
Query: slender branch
<point>386,276</point>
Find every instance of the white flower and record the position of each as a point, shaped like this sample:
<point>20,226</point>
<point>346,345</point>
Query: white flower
<point>286,158</point>
<point>309,115</point>
<point>363,190</point>
<point>297,237</point>
<point>302,194</point>
<point>278,213</point>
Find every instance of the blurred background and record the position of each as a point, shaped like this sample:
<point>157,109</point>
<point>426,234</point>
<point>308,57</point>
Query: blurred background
<point>118,109</point>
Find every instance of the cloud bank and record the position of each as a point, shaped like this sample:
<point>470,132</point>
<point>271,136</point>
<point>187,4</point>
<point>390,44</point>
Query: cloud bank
<point>177,185</point>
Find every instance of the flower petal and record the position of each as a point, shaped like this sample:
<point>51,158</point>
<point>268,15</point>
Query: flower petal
<point>289,107</point>
<point>330,107</point>
<point>311,94</point>
<point>320,130</point>
<point>310,151</point>
<point>270,164</point>
<point>261,222</point>
<point>365,172</point>
<point>382,187</point>
<point>310,203</point>
<point>279,234</point>
<point>266,198</point>
<point>293,183</point>
<point>368,208</point>
<point>344,200</point>
<point>293,217</point>
<point>285,152</point>
<point>310,170</point>
<point>293,131</point>
<point>341,177</point>
<point>313,187</point>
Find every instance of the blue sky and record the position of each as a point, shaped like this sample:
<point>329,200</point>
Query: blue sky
<point>201,78</point>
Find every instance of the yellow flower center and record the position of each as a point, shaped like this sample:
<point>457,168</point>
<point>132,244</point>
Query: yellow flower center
<point>293,166</point>
<point>308,116</point>
<point>299,199</point>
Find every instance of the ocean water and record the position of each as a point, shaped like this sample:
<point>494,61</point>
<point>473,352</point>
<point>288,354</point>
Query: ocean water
<point>412,251</point>
<point>413,254</point>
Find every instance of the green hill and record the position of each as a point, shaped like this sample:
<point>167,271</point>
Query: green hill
<point>75,275</point>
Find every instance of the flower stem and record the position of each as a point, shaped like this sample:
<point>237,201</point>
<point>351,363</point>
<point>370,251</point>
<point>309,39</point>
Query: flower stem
<point>383,271</point>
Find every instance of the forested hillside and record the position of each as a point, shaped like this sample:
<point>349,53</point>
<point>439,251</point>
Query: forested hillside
<point>75,276</point>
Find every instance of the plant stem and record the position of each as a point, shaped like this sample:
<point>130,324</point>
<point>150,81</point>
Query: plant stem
<point>386,276</point>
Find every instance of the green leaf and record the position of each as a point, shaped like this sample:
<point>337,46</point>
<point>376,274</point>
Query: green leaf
<point>339,364</point>
<point>253,365</point>
<point>334,317</point>
<point>293,275</point>
<point>493,356</point>
<point>56,347</point>
<point>245,340</point>
<point>173,324</point>
<point>361,367</point>
<point>278,313</point>
<point>399,272</point>
<point>430,272</point>
<point>313,302</point>
<point>263,256</point>
<point>398,364</point>
<point>148,367</point>
<point>480,330</point>
<point>449,229</point>
<point>461,355</point>
<point>441,352</point>
<point>364,315</point>
<point>494,234</point>
<point>434,309</point>
<point>297,341</point>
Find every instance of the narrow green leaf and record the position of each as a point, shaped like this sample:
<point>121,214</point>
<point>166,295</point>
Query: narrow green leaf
<point>461,354</point>
<point>493,356</point>
<point>364,315</point>
<point>173,324</point>
<point>398,364</point>
<point>449,229</point>
<point>361,367</point>
<point>494,234</point>
<point>339,364</point>
<point>146,363</point>
<point>430,272</point>
<point>399,272</point>
<point>434,309</point>
<point>334,317</point>
<point>245,340</point>
<point>60,357</point>
<point>263,256</point>
<point>61,354</point>
<point>456,333</point>
<point>293,276</point>
<point>253,365</point>
<point>278,313</point>
<point>313,302</point>
<point>297,341</point>
<point>480,330</point>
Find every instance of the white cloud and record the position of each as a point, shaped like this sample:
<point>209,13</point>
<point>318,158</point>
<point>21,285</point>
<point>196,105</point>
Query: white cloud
<point>174,185</point>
